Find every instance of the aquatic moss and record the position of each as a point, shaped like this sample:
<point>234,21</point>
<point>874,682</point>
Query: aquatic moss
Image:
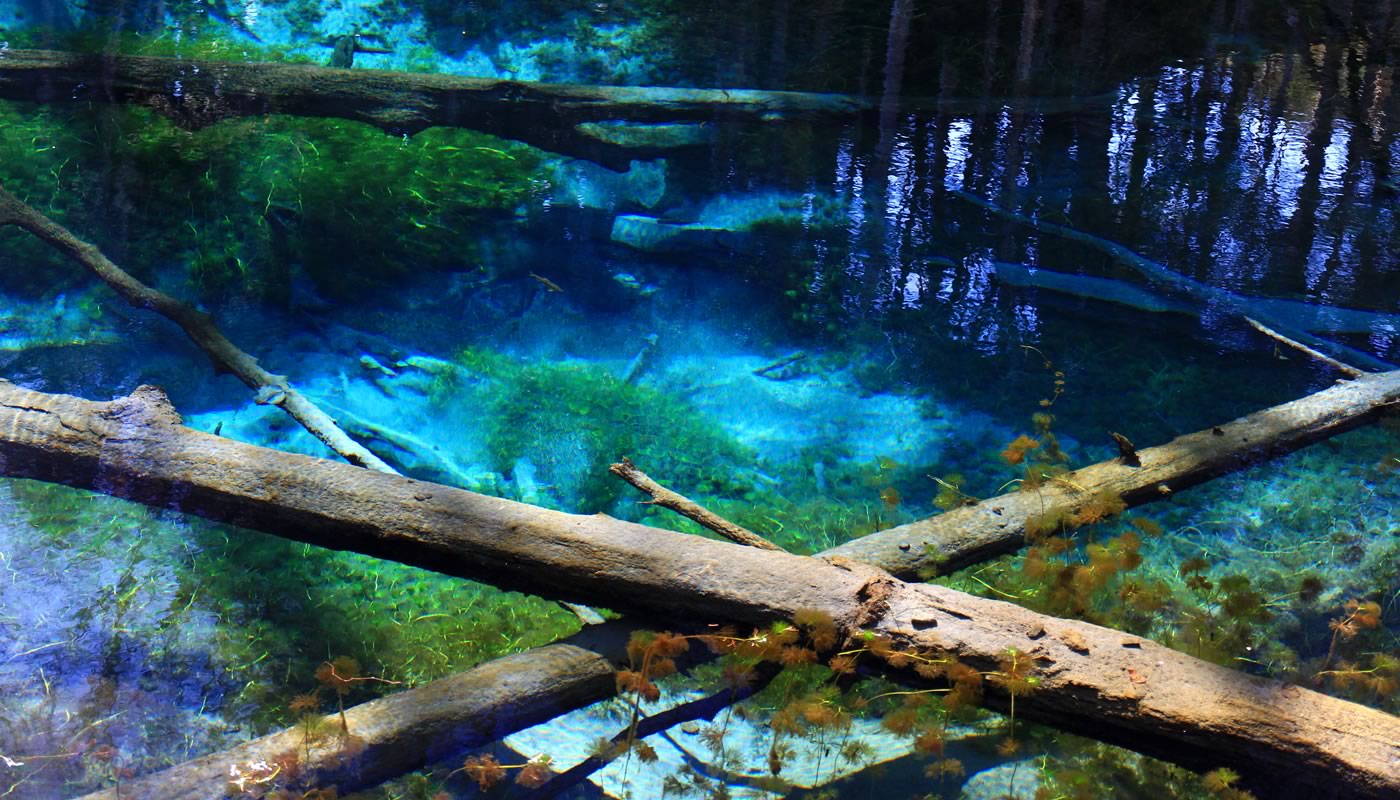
<point>572,419</point>
<point>240,203</point>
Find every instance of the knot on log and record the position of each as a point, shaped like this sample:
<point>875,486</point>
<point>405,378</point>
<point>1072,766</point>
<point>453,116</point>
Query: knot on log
<point>873,596</point>
<point>146,405</point>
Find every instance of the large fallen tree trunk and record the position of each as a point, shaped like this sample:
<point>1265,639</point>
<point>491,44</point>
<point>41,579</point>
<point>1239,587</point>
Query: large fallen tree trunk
<point>559,118</point>
<point>567,119</point>
<point>1288,741</point>
<point>942,546</point>
<point>975,533</point>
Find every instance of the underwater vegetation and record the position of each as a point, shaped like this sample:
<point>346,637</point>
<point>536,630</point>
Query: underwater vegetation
<point>571,419</point>
<point>244,204</point>
<point>229,626</point>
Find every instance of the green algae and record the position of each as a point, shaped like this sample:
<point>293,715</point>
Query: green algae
<point>241,204</point>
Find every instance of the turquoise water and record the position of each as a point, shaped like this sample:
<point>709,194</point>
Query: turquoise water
<point>812,326</point>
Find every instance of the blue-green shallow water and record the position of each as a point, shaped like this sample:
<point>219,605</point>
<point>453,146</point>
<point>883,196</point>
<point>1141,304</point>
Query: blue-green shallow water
<point>470,306</point>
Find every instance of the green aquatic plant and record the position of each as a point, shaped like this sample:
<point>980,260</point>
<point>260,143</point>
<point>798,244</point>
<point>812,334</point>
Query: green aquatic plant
<point>571,419</point>
<point>239,202</point>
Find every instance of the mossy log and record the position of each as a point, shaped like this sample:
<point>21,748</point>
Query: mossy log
<point>1287,741</point>
<point>572,120</point>
<point>976,533</point>
<point>566,119</point>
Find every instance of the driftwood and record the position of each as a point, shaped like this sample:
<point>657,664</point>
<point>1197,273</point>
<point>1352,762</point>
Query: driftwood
<point>972,534</point>
<point>688,508</point>
<point>196,324</point>
<point>1287,741</point>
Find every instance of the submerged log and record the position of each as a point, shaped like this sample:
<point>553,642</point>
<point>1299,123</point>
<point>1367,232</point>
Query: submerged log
<point>1275,313</point>
<point>565,119</point>
<point>972,534</point>
<point>1287,741</point>
<point>401,732</point>
<point>572,120</point>
<point>198,325</point>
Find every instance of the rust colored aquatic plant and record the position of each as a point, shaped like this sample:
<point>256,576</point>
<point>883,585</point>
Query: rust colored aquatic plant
<point>487,771</point>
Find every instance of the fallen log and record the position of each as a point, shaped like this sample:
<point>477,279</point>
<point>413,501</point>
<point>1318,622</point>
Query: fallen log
<point>572,120</point>
<point>1286,741</point>
<point>892,552</point>
<point>972,534</point>
<point>401,732</point>
<point>565,119</point>
<point>198,325</point>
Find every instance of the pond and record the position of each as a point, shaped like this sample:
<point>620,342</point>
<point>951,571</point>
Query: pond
<point>943,252</point>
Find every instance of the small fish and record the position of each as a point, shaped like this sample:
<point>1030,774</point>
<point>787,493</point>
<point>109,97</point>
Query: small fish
<point>547,283</point>
<point>891,496</point>
<point>887,463</point>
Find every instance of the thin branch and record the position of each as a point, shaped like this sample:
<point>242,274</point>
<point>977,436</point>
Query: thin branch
<point>686,507</point>
<point>198,325</point>
<point>1341,367</point>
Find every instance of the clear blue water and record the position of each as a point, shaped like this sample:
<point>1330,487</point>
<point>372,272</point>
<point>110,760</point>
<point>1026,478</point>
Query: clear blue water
<point>473,309</point>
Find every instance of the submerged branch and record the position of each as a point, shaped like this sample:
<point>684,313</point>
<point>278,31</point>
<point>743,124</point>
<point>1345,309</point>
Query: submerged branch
<point>688,508</point>
<point>1345,369</point>
<point>401,732</point>
<point>198,325</point>
<point>1159,273</point>
<point>1285,740</point>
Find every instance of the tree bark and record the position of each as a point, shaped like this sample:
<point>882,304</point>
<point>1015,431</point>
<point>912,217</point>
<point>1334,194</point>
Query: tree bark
<point>1287,741</point>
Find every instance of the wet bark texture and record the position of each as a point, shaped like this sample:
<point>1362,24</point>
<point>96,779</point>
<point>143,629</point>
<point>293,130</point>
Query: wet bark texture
<point>1287,741</point>
<point>969,535</point>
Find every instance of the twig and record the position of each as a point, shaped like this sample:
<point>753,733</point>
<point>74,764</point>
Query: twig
<point>639,361</point>
<point>198,325</point>
<point>682,505</point>
<point>793,358</point>
<point>1344,368</point>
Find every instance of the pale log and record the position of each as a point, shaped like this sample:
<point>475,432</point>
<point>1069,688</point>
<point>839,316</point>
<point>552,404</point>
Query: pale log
<point>972,534</point>
<point>1287,741</point>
